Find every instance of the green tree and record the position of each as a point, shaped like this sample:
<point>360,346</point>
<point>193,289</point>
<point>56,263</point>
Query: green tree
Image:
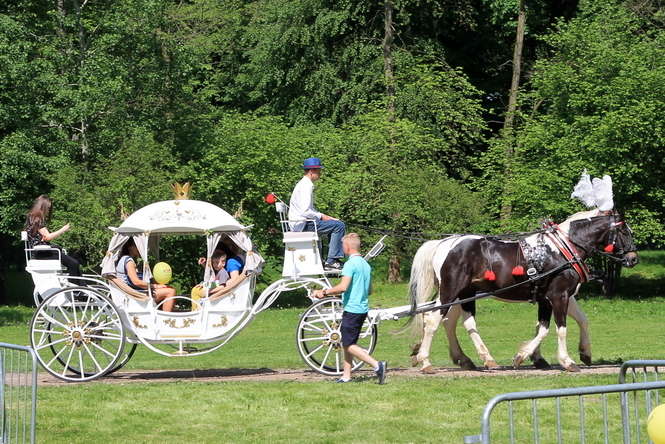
<point>596,102</point>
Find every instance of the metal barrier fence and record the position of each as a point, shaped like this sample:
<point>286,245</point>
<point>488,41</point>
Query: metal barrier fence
<point>636,365</point>
<point>605,413</point>
<point>638,371</point>
<point>18,394</point>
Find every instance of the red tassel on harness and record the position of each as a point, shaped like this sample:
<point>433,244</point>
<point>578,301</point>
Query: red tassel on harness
<point>270,198</point>
<point>518,271</point>
<point>489,275</point>
<point>609,248</point>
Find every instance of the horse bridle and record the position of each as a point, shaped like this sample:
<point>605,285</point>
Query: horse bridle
<point>609,250</point>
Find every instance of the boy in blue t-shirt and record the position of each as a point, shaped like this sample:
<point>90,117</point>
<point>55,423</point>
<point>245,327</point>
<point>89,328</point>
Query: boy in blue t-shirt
<point>356,286</point>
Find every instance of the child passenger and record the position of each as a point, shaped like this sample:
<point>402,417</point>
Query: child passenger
<point>218,264</point>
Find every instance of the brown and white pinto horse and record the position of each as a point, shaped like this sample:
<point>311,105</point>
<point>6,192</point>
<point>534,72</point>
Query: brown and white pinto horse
<point>460,266</point>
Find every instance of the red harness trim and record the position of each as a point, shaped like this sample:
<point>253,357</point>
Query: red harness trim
<point>567,248</point>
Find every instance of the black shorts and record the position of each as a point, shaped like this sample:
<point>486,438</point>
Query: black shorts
<point>352,325</point>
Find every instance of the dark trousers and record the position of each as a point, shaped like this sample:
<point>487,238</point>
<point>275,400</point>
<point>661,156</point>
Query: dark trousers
<point>72,265</point>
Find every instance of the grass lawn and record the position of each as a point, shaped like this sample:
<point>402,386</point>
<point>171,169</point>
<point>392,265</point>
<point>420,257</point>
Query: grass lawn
<point>406,410</point>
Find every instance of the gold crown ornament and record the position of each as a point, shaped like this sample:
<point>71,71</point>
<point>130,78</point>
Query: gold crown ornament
<point>181,191</point>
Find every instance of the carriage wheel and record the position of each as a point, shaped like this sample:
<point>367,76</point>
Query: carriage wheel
<point>77,334</point>
<point>320,341</point>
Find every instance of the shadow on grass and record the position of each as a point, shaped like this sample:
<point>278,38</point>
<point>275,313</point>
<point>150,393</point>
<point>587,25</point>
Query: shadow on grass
<point>616,361</point>
<point>189,375</point>
<point>636,286</point>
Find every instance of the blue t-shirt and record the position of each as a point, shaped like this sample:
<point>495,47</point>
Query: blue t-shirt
<point>234,264</point>
<point>355,299</point>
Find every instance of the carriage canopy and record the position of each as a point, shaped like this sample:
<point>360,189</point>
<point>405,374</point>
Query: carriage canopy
<point>181,216</point>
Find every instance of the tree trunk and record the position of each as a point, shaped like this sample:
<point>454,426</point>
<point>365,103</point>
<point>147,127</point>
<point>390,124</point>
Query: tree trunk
<point>394,264</point>
<point>388,68</point>
<point>517,68</point>
<point>394,274</point>
<point>60,8</point>
<point>83,129</point>
<point>506,207</point>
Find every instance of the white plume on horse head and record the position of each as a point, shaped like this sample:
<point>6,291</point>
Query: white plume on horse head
<point>596,193</point>
<point>584,191</point>
<point>602,189</point>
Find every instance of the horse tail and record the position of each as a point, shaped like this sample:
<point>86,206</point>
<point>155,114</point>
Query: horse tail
<point>423,279</point>
<point>421,285</point>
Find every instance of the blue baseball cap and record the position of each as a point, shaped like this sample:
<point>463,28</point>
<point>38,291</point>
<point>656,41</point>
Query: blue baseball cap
<point>312,163</point>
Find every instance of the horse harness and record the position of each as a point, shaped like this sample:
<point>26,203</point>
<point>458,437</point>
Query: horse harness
<point>536,255</point>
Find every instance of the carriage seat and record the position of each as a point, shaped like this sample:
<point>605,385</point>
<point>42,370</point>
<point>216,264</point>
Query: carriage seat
<point>52,265</point>
<point>118,284</point>
<point>300,236</point>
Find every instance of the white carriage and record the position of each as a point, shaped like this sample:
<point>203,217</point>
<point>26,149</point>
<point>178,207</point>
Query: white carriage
<point>82,332</point>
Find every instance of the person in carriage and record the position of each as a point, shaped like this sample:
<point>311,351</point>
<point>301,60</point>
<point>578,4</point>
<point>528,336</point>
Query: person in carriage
<point>127,271</point>
<point>226,265</point>
<point>305,217</point>
<point>38,234</point>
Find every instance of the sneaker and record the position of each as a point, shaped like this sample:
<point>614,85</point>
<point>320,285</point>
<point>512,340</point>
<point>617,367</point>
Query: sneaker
<point>342,381</point>
<point>333,266</point>
<point>381,372</point>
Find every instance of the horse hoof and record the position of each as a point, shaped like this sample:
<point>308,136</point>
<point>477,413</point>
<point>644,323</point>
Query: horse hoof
<point>492,365</point>
<point>414,361</point>
<point>585,358</point>
<point>542,364</point>
<point>429,370</point>
<point>517,361</point>
<point>572,368</point>
<point>468,364</point>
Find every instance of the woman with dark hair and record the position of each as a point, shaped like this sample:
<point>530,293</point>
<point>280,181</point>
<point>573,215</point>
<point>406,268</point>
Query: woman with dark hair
<point>126,270</point>
<point>38,234</point>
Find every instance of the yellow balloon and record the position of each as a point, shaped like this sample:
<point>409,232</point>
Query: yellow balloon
<point>162,273</point>
<point>656,425</point>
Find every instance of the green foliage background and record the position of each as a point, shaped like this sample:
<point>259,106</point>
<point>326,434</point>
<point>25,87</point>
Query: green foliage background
<point>103,104</point>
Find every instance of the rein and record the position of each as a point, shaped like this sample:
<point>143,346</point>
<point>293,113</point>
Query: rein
<point>424,236</point>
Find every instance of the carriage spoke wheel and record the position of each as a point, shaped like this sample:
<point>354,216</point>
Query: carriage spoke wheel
<point>77,334</point>
<point>319,337</point>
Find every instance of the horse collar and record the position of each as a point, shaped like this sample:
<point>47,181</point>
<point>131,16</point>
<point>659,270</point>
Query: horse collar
<point>569,251</point>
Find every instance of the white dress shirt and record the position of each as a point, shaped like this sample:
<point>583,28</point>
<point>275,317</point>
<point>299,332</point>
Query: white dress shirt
<point>301,205</point>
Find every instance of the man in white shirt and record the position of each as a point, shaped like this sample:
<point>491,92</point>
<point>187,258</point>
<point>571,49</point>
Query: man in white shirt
<point>301,207</point>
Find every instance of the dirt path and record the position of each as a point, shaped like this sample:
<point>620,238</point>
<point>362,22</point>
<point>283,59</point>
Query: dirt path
<point>268,374</point>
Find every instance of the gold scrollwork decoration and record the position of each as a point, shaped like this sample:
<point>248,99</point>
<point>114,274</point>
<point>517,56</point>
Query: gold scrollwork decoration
<point>223,322</point>
<point>185,323</point>
<point>137,323</point>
